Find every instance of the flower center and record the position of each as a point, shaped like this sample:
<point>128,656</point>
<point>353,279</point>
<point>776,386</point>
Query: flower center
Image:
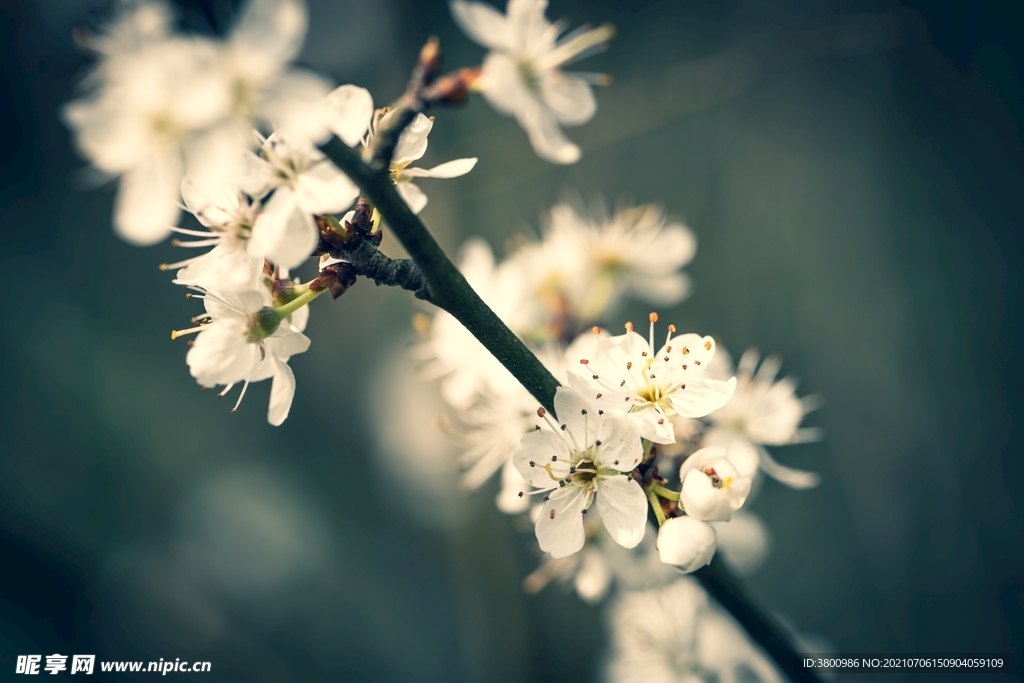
<point>716,480</point>
<point>528,73</point>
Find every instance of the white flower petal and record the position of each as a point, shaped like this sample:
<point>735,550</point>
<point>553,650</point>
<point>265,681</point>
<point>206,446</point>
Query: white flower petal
<point>570,410</point>
<point>296,102</point>
<point>511,499</point>
<point>412,144</point>
<point>285,343</point>
<point>653,425</point>
<point>623,509</point>
<point>569,97</point>
<point>413,195</point>
<point>547,138</point>
<point>537,447</point>
<point>221,354</point>
<point>743,542</point>
<point>702,396</point>
<point>282,391</point>
<point>147,199</point>
<point>349,111</point>
<point>324,189</point>
<point>593,578</point>
<point>792,477</point>
<point>449,169</point>
<point>620,448</point>
<point>502,84</point>
<point>560,525</point>
<point>482,23</point>
<point>269,34</point>
<point>283,233</point>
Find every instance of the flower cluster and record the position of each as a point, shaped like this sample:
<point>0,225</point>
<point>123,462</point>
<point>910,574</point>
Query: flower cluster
<point>253,148</point>
<point>230,130</point>
<point>675,395</point>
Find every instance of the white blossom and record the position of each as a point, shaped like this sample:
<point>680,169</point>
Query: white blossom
<point>234,346</point>
<point>522,74</point>
<point>712,487</point>
<point>229,215</point>
<point>762,412</point>
<point>305,183</point>
<point>580,461</point>
<point>743,542</point>
<point>675,634</point>
<point>412,145</point>
<point>162,104</point>
<point>491,428</point>
<point>627,375</point>
<point>145,113</point>
<point>601,564</point>
<point>256,59</point>
<point>686,542</point>
<point>465,367</point>
<point>589,262</point>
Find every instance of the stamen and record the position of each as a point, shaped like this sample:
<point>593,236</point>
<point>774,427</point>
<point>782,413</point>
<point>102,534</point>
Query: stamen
<point>671,331</point>
<point>179,264</point>
<point>241,395</point>
<point>654,318</point>
<point>181,333</point>
<point>191,233</point>
<point>196,243</point>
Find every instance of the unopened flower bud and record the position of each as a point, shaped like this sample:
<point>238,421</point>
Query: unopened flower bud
<point>687,543</point>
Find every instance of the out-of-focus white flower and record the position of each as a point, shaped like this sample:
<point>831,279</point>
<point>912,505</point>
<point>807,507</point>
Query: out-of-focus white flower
<point>163,104</point>
<point>453,354</point>
<point>228,214</point>
<point>236,346</point>
<point>762,412</point>
<point>712,487</point>
<point>627,375</point>
<point>412,145</point>
<point>576,462</point>
<point>588,264</point>
<point>149,106</point>
<point>686,542</point>
<point>602,563</point>
<point>305,183</point>
<point>675,634</point>
<point>256,58</point>
<point>492,427</point>
<point>743,542</point>
<point>137,24</point>
<point>522,75</point>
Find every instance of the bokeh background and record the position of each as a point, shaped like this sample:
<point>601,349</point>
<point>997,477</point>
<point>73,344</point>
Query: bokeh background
<point>852,169</point>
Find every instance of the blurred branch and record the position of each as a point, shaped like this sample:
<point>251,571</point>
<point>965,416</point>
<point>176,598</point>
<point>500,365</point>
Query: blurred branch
<point>717,581</point>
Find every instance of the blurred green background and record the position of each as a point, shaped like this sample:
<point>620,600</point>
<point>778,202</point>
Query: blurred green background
<point>853,172</point>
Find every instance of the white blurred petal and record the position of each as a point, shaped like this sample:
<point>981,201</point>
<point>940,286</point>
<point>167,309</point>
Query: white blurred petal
<point>349,111</point>
<point>413,196</point>
<point>147,199</point>
<point>482,23</point>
